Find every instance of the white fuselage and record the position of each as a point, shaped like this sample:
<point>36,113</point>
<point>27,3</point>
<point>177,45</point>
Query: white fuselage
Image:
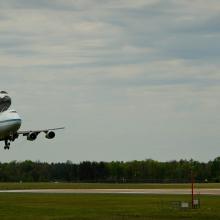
<point>10,122</point>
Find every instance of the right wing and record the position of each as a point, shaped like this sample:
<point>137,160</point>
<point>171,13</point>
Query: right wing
<point>32,134</point>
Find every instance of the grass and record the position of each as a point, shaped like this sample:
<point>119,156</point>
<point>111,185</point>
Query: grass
<point>103,207</point>
<point>8,186</point>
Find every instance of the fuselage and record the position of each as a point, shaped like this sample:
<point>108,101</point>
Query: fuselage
<point>10,122</point>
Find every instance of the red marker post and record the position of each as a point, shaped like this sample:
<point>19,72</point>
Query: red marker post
<point>192,188</point>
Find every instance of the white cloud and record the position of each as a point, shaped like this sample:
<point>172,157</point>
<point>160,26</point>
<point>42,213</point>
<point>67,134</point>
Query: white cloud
<point>135,76</point>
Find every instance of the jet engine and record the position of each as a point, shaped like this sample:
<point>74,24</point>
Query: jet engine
<point>50,135</point>
<point>31,136</point>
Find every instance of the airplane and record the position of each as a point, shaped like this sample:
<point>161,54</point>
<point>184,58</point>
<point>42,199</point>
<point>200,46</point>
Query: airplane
<point>10,123</point>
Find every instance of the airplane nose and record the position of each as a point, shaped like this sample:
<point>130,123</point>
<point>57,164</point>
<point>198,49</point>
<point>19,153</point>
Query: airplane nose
<point>17,121</point>
<point>17,124</point>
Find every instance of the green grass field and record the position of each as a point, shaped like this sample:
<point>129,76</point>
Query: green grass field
<point>103,207</point>
<point>4,186</point>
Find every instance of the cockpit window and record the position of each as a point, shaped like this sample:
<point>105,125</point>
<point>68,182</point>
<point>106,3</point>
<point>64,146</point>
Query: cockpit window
<point>13,111</point>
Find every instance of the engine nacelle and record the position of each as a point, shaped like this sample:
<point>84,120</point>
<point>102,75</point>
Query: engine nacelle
<point>31,136</point>
<point>50,135</point>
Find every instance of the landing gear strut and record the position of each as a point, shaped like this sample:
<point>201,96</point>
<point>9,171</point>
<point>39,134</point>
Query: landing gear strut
<point>7,145</point>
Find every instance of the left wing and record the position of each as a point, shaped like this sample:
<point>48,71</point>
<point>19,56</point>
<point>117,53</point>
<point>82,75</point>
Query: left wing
<point>32,134</point>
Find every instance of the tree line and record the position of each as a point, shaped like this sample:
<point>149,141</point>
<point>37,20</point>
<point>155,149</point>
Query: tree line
<point>145,171</point>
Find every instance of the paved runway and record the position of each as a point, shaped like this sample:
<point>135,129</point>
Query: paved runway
<point>119,191</point>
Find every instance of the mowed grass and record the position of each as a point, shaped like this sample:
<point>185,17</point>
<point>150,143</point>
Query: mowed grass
<point>52,185</point>
<point>103,207</point>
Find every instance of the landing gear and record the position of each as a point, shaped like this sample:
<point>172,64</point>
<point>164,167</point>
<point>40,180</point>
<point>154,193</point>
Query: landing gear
<point>7,145</point>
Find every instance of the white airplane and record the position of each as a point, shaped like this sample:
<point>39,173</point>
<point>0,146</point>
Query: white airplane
<point>10,122</point>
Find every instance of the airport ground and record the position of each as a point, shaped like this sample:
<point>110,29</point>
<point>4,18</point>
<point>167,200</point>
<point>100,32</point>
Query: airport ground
<point>67,206</point>
<point>103,207</point>
<point>60,185</point>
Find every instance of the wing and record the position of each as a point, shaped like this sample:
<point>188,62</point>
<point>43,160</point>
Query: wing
<point>38,131</point>
<point>32,134</point>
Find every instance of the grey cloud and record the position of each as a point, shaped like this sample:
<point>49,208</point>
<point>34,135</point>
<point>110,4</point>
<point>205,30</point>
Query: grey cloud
<point>31,4</point>
<point>141,75</point>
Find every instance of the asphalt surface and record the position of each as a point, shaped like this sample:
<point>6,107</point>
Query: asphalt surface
<point>119,191</point>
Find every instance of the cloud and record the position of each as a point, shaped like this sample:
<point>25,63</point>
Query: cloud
<point>140,77</point>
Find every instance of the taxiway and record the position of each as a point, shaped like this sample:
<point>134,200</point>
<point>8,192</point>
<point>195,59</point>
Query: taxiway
<point>119,191</point>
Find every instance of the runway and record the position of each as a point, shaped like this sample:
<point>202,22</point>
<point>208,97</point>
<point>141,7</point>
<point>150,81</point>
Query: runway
<point>118,191</point>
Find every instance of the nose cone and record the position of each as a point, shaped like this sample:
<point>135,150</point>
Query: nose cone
<point>18,123</point>
<point>16,120</point>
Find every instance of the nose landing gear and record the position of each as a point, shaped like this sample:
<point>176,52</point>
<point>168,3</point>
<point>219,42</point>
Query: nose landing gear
<point>7,145</point>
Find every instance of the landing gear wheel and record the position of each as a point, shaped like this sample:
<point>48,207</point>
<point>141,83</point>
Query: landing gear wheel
<point>7,145</point>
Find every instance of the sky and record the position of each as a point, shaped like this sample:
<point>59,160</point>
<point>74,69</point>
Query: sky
<point>130,80</point>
